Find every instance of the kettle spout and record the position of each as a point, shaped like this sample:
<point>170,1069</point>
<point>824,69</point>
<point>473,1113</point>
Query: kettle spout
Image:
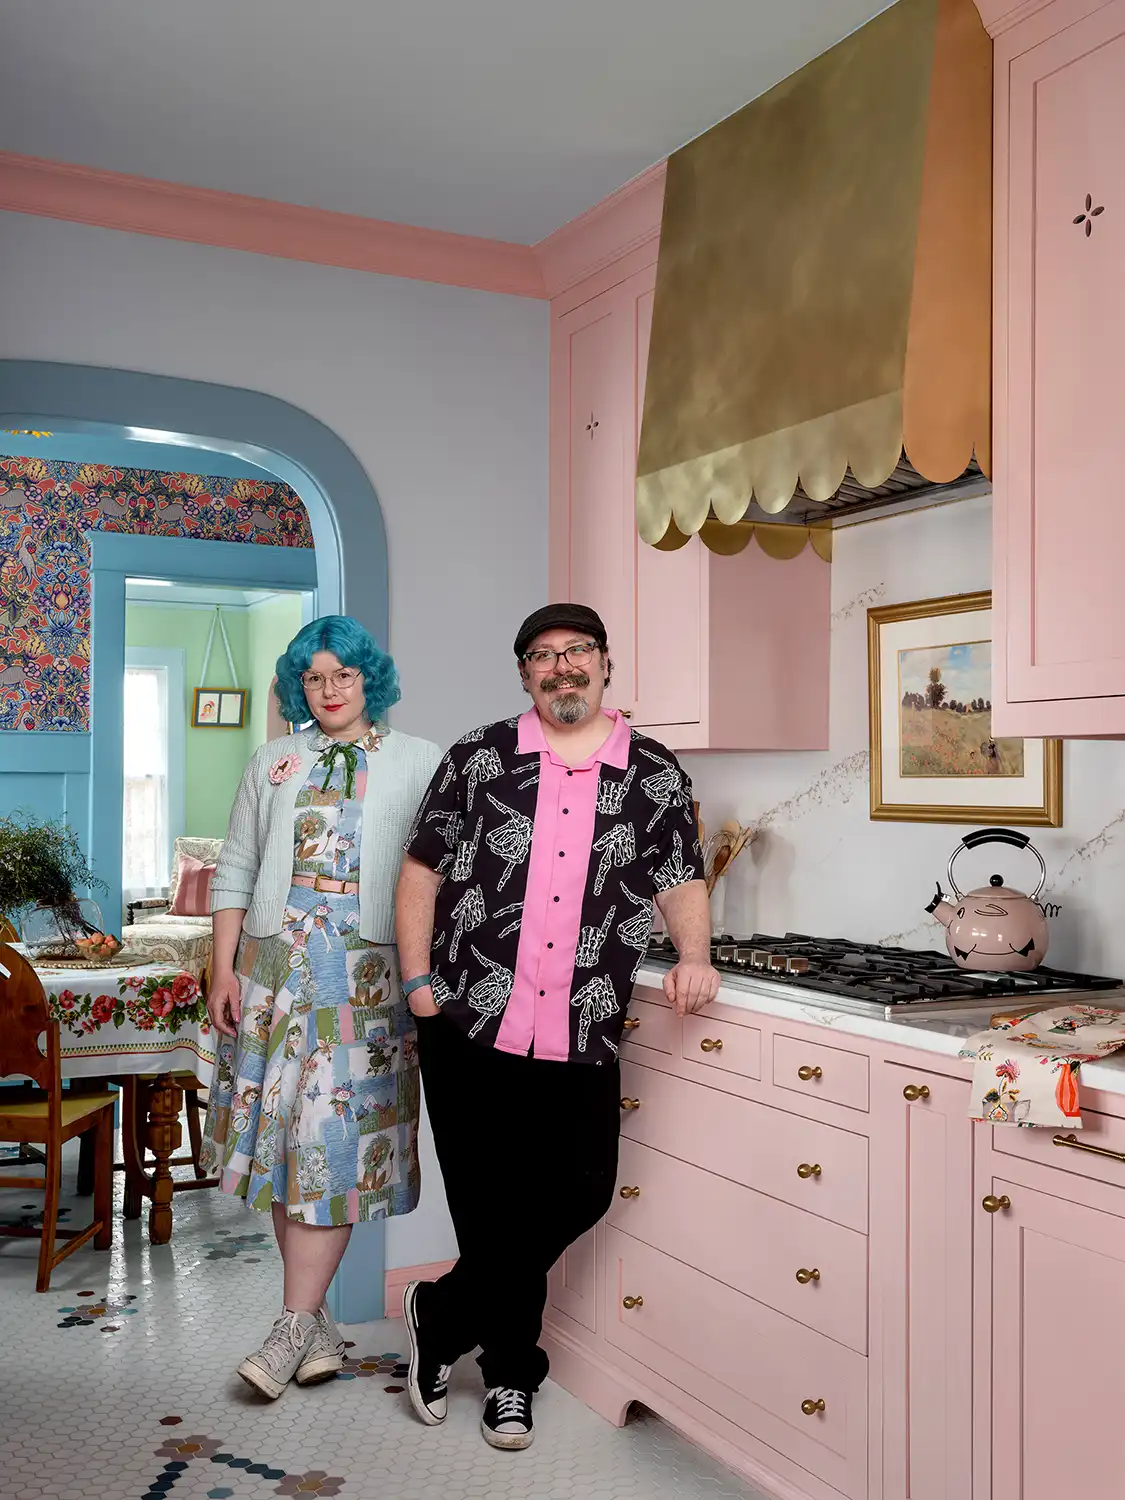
<point>940,908</point>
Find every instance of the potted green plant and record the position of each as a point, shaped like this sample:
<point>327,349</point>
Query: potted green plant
<point>42,869</point>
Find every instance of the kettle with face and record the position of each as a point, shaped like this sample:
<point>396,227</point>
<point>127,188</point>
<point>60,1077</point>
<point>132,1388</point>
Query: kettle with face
<point>994,927</point>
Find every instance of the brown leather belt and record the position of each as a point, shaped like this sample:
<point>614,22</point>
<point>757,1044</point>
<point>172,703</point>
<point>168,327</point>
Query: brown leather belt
<point>323,883</point>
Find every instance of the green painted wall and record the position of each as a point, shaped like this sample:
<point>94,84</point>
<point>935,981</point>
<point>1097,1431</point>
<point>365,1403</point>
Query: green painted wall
<point>215,758</point>
<point>271,627</point>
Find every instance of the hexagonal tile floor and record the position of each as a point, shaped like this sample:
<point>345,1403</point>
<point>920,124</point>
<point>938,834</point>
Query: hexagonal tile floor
<point>120,1383</point>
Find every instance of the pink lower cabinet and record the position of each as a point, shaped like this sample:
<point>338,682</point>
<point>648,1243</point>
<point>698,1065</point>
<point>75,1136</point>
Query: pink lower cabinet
<point>1058,1347</point>
<point>573,1284</point>
<point>922,1214</point>
<point>799,1393</point>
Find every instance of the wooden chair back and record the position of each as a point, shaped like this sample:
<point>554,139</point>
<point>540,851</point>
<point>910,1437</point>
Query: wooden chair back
<point>24,1018</point>
<point>8,933</point>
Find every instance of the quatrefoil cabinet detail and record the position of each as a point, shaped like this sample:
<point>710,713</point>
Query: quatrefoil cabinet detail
<point>1090,214</point>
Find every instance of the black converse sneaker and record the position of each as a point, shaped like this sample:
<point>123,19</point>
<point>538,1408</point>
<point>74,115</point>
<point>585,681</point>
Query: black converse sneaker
<point>507,1418</point>
<point>427,1379</point>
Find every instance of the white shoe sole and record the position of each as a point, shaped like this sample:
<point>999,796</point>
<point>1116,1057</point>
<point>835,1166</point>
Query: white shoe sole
<point>510,1441</point>
<point>324,1367</point>
<point>421,1410</point>
<point>262,1382</point>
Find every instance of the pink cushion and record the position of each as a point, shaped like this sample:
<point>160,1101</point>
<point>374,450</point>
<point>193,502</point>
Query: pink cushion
<point>193,888</point>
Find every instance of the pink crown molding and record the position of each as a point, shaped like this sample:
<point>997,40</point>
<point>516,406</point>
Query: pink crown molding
<point>626,220</point>
<point>176,211</point>
<point>999,16</point>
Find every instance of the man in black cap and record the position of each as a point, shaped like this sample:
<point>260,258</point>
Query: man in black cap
<point>524,910</point>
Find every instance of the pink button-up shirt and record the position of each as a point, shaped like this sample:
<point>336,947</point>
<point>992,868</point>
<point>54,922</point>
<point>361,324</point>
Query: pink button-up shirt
<point>538,1013</point>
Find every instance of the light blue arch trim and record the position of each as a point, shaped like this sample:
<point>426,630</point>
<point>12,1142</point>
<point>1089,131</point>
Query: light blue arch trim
<point>346,521</point>
<point>263,430</point>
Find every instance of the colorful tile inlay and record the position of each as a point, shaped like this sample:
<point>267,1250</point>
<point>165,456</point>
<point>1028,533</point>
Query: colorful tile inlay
<point>181,1451</point>
<point>234,1246</point>
<point>90,1313</point>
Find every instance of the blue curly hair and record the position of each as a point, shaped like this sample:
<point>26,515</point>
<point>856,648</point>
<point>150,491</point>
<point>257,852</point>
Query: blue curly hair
<point>353,647</point>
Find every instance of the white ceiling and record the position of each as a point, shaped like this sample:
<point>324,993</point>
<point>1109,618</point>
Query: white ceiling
<point>502,118</point>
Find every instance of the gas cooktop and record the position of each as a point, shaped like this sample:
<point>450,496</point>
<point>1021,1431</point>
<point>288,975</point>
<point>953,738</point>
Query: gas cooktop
<point>864,978</point>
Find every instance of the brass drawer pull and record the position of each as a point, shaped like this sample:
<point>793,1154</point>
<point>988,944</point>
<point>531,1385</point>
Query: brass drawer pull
<point>626,713</point>
<point>809,1169</point>
<point>810,1408</point>
<point>993,1205</point>
<point>804,1276</point>
<point>631,1024</point>
<point>915,1091</point>
<point>1073,1141</point>
<point>806,1074</point>
<point>630,1104</point>
<point>707,1045</point>
<point>630,1192</point>
<point>628,1303</point>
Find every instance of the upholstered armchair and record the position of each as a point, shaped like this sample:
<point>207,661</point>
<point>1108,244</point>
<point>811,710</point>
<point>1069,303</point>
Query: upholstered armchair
<point>158,933</point>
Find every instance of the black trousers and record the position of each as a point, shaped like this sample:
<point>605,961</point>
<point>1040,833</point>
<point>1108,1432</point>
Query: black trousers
<point>528,1153</point>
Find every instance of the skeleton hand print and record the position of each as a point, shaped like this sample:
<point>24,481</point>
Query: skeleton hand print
<point>618,846</point>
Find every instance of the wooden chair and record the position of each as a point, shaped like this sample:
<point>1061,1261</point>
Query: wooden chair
<point>49,1117</point>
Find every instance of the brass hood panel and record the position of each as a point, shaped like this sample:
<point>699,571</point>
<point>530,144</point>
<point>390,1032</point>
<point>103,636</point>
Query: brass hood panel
<point>823,286</point>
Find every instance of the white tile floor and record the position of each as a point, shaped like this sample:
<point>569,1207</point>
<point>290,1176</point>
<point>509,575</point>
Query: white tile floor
<point>130,1391</point>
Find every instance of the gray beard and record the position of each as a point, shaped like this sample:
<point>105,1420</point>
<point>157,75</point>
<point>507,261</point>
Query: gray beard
<point>570,709</point>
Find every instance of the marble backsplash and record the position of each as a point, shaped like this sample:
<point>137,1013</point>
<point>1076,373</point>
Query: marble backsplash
<point>821,866</point>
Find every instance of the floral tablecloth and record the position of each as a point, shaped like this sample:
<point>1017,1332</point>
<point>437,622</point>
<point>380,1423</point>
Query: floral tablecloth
<point>149,1019</point>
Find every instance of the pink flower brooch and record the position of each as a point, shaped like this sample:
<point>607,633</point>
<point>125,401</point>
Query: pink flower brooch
<point>282,769</point>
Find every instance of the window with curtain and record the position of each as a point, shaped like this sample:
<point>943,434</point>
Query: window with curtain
<point>146,842</point>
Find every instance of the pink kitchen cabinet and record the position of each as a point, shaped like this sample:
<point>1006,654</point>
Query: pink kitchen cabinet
<point>1059,313</point>
<point>1057,1359</point>
<point>710,652</point>
<point>922,1266</point>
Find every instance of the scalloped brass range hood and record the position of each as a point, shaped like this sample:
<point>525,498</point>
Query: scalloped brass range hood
<point>821,328</point>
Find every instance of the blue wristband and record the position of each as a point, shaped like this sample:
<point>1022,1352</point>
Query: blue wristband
<point>416,984</point>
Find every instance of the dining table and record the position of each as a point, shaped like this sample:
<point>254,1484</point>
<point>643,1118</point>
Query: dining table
<point>143,1027</point>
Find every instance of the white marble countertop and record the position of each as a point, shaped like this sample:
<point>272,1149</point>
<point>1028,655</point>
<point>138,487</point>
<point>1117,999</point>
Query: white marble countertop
<point>940,1034</point>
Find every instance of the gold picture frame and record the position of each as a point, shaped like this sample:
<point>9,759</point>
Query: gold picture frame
<point>915,756</point>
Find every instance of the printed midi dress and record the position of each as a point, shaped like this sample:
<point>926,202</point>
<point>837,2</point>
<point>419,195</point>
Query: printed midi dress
<point>315,1105</point>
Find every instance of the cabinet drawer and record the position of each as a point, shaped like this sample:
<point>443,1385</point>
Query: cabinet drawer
<point>816,1167</point>
<point>821,1072</point>
<point>1104,1132</point>
<point>656,1027</point>
<point>744,1361</point>
<point>749,1241</point>
<point>722,1045</point>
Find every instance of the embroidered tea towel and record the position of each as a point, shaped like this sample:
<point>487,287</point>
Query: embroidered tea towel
<point>1026,1068</point>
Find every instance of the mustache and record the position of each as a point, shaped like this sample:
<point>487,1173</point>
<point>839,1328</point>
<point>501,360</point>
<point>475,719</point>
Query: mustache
<point>571,679</point>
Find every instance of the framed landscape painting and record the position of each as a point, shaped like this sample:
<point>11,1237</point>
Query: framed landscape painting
<point>934,758</point>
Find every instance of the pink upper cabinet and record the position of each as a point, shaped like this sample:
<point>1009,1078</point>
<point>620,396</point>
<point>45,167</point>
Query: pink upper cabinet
<point>710,652</point>
<point>1059,541</point>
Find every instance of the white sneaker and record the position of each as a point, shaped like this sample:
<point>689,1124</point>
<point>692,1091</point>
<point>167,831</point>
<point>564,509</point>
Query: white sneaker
<point>335,1337</point>
<point>296,1345</point>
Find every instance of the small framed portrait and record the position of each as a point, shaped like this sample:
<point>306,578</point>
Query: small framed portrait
<point>934,757</point>
<point>218,708</point>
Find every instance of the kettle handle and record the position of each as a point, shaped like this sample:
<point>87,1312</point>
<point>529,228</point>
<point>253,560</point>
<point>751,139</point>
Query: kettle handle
<point>998,836</point>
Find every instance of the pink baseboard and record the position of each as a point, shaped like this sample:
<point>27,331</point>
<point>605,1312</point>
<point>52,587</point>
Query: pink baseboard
<point>175,211</point>
<point>399,1277</point>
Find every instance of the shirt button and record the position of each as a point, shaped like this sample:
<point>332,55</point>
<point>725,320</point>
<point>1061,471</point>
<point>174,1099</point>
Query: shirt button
<point>570,773</point>
<point>566,809</point>
<point>550,945</point>
<point>556,898</point>
<point>562,853</point>
<point>542,992</point>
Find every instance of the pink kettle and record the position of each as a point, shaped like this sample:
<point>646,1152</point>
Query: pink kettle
<point>995,927</point>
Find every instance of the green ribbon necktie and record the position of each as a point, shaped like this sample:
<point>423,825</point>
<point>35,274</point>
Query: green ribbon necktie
<point>351,761</point>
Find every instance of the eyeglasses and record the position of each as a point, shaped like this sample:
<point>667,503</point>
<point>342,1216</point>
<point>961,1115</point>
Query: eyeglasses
<point>342,680</point>
<point>546,661</point>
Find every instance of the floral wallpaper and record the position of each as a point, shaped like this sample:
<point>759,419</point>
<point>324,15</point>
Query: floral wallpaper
<point>46,506</point>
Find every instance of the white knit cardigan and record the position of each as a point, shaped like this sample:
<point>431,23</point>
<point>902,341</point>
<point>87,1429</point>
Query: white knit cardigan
<point>256,863</point>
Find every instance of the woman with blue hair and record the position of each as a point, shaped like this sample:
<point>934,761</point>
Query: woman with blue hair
<point>313,1115</point>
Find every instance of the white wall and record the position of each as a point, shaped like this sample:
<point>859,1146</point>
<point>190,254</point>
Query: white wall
<point>440,392</point>
<point>823,867</point>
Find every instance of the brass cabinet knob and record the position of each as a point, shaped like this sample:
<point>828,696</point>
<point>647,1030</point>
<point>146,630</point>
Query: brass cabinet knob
<point>810,1408</point>
<point>631,1024</point>
<point>993,1205</point>
<point>630,1104</point>
<point>804,1276</point>
<point>915,1091</point>
<point>806,1074</point>
<point>809,1169</point>
<point>630,1192</point>
<point>626,713</point>
<point>628,1303</point>
<point>709,1045</point>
